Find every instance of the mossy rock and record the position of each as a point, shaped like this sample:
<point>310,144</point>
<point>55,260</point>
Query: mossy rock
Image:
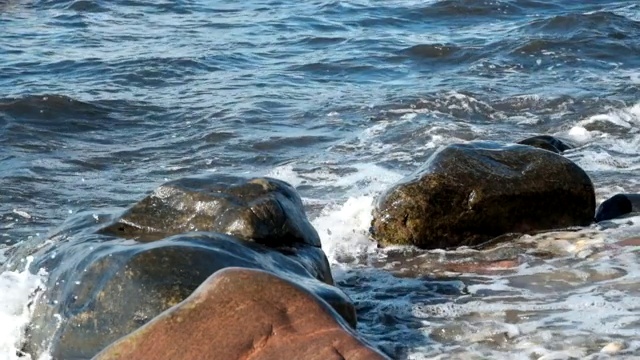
<point>466,194</point>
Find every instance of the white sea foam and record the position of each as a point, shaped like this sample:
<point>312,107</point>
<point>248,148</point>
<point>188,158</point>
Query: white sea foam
<point>627,118</point>
<point>609,141</point>
<point>577,305</point>
<point>344,228</point>
<point>579,134</point>
<point>286,173</point>
<point>18,290</point>
<point>598,160</point>
<point>343,225</point>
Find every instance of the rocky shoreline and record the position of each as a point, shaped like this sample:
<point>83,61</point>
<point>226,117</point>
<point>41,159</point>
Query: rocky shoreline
<point>228,267</point>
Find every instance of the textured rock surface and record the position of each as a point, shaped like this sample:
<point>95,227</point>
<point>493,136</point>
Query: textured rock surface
<point>469,193</point>
<point>263,210</point>
<point>103,291</point>
<point>101,287</point>
<point>244,314</point>
<point>618,205</point>
<point>547,142</point>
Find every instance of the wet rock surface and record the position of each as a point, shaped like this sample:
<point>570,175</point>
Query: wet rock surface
<point>467,194</point>
<point>245,314</point>
<point>547,142</point>
<point>264,210</point>
<point>617,206</point>
<point>102,287</point>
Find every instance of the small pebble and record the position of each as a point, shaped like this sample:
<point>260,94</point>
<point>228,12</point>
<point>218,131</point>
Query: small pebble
<point>24,214</point>
<point>613,347</point>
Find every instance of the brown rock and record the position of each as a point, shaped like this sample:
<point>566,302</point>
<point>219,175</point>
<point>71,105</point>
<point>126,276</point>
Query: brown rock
<point>100,292</point>
<point>467,194</point>
<point>244,314</point>
<point>263,210</point>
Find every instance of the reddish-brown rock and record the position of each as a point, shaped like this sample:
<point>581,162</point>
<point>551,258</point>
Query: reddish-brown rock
<point>244,314</point>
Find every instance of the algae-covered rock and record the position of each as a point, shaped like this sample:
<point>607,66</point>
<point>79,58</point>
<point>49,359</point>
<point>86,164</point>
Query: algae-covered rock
<point>469,193</point>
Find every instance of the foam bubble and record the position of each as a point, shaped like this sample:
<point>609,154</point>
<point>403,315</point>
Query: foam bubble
<point>344,226</point>
<point>627,147</point>
<point>627,118</point>
<point>600,160</point>
<point>580,134</point>
<point>286,173</point>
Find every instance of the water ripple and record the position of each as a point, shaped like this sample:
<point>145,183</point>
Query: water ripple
<point>102,101</point>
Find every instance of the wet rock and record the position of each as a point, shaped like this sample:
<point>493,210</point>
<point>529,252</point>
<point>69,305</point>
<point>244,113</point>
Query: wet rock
<point>264,210</point>
<point>245,314</point>
<point>101,286</point>
<point>547,142</point>
<point>102,289</point>
<point>633,241</point>
<point>618,205</point>
<point>467,194</point>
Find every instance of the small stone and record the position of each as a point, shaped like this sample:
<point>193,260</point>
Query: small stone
<point>613,347</point>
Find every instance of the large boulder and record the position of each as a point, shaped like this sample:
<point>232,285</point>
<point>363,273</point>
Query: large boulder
<point>245,314</point>
<point>101,286</point>
<point>264,210</point>
<point>99,291</point>
<point>467,194</point>
<point>617,206</point>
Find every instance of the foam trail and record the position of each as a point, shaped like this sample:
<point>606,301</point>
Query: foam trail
<point>344,229</point>
<point>626,118</point>
<point>612,140</point>
<point>17,291</point>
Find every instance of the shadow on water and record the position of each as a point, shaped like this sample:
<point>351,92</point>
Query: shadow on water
<point>384,303</point>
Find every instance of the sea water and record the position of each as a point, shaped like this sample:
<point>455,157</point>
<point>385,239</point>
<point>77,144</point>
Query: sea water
<point>100,102</point>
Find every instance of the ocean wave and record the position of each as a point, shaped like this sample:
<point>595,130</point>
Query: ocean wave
<point>464,8</point>
<point>51,107</point>
<point>600,22</point>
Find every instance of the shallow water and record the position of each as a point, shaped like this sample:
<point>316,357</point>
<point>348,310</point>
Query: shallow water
<point>102,101</point>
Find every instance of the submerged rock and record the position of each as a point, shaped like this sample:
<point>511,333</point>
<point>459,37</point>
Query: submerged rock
<point>245,314</point>
<point>102,287</point>
<point>100,292</point>
<point>547,142</point>
<point>264,210</point>
<point>467,194</point>
<point>618,205</point>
